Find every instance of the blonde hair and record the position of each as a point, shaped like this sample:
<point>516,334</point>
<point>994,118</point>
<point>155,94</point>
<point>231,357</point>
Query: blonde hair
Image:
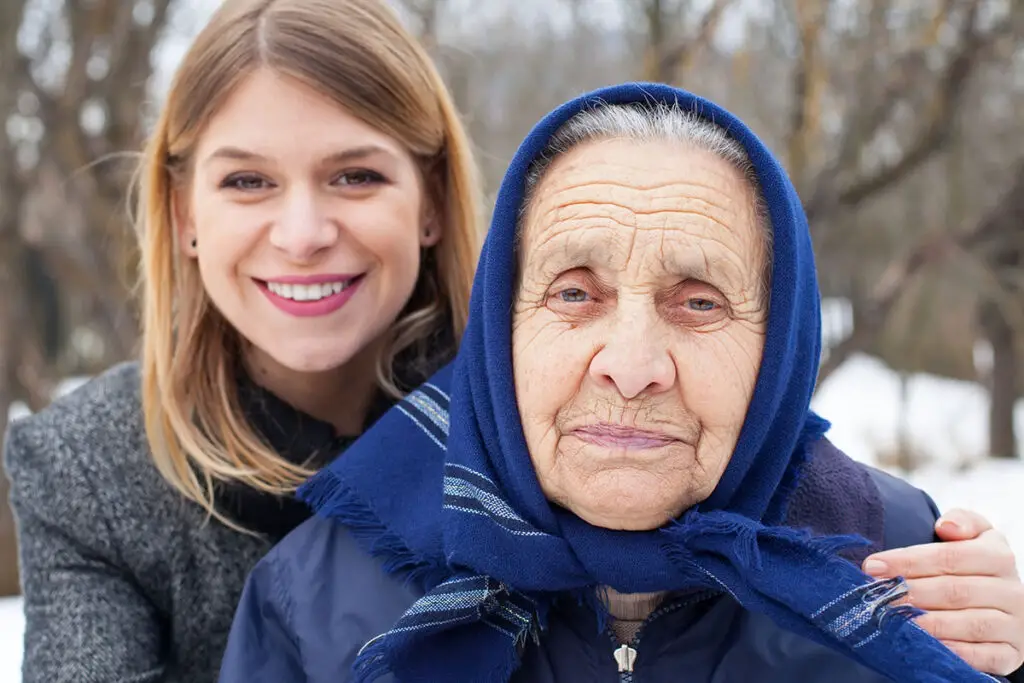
<point>357,53</point>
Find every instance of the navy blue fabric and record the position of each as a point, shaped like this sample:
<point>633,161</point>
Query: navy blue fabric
<point>491,554</point>
<point>317,597</point>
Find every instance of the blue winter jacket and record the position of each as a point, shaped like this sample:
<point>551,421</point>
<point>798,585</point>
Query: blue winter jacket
<point>317,598</point>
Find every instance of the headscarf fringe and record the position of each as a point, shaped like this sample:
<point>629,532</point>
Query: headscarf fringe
<point>697,531</point>
<point>330,498</point>
<point>371,664</point>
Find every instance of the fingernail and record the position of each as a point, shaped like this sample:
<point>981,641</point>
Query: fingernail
<point>948,525</point>
<point>876,568</point>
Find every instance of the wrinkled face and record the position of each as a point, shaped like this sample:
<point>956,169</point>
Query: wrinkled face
<point>308,222</point>
<point>638,328</point>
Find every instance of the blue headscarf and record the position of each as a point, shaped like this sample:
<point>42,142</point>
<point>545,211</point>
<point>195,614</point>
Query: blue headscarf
<point>443,490</point>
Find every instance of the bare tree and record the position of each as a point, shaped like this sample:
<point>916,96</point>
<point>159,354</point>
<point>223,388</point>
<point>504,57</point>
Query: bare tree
<point>903,84</point>
<point>667,54</point>
<point>12,305</point>
<point>998,239</point>
<point>1001,314</point>
<point>426,15</point>
<point>883,84</point>
<point>65,248</point>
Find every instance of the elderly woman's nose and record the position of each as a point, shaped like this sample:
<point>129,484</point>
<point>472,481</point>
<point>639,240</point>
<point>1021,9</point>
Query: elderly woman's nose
<point>303,227</point>
<point>634,360</point>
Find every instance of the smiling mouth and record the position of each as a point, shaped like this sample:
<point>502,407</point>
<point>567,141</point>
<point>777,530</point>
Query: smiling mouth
<point>622,437</point>
<point>309,292</point>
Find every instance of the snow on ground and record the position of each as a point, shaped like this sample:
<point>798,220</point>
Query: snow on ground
<point>946,419</point>
<point>66,386</point>
<point>945,422</point>
<point>12,625</point>
<point>947,425</point>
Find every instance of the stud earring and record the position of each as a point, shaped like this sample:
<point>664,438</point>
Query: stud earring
<point>194,242</point>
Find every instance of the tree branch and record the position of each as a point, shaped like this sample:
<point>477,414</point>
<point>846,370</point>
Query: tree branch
<point>934,135</point>
<point>678,58</point>
<point>900,78</point>
<point>810,15</point>
<point>427,13</point>
<point>1004,217</point>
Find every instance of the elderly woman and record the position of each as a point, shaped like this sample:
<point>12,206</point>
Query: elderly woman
<point>628,483</point>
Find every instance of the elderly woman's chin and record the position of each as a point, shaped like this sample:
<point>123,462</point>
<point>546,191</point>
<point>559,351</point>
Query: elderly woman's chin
<point>629,490</point>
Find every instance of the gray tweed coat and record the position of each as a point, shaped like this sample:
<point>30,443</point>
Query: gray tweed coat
<point>124,581</point>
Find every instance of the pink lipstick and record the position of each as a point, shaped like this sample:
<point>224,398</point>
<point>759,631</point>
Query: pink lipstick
<point>308,296</point>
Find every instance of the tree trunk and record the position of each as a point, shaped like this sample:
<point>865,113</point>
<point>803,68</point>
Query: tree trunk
<point>10,250</point>
<point>905,459</point>
<point>1003,387</point>
<point>9,351</point>
<point>8,541</point>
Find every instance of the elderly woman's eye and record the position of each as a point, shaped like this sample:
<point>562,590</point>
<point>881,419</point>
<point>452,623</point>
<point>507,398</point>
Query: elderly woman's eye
<point>573,295</point>
<point>702,304</point>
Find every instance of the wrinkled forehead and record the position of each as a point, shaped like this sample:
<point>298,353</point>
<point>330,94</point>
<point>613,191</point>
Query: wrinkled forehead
<point>659,206</point>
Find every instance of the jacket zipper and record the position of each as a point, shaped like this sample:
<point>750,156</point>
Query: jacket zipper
<point>626,654</point>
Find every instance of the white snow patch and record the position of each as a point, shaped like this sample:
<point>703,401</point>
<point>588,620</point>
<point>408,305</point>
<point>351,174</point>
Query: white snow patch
<point>946,425</point>
<point>946,419</point>
<point>12,626</point>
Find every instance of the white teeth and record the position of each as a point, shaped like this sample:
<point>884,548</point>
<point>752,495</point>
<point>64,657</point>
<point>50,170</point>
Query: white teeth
<point>306,292</point>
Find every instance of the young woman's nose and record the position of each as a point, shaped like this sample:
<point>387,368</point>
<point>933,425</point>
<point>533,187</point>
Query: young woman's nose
<point>302,229</point>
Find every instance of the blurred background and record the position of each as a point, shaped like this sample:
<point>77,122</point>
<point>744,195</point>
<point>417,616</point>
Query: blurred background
<point>901,123</point>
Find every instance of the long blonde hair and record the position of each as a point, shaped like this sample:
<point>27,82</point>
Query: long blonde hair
<point>357,53</point>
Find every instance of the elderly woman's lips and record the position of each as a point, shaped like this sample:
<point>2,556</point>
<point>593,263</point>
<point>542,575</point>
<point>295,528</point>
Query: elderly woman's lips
<point>620,436</point>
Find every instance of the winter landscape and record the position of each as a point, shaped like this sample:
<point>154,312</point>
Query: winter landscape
<point>914,195</point>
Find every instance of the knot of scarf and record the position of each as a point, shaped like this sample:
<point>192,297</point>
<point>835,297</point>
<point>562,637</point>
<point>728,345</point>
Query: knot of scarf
<point>443,489</point>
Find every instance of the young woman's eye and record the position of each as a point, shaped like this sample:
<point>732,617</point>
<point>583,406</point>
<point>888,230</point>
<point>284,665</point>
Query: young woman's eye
<point>246,182</point>
<point>573,295</point>
<point>359,178</point>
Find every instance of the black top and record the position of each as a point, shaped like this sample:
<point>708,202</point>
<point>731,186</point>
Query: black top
<point>300,439</point>
<point>304,440</point>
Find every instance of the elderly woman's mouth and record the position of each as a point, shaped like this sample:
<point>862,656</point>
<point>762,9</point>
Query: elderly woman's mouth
<point>611,435</point>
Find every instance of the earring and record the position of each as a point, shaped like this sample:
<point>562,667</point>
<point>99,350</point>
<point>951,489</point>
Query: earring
<point>194,242</point>
<point>426,233</point>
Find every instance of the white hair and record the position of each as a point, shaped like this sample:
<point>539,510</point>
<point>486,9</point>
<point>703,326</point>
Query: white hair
<point>654,122</point>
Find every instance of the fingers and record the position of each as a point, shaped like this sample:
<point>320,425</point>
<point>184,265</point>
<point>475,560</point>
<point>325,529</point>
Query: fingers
<point>987,555</point>
<point>966,592</point>
<point>993,658</point>
<point>961,525</point>
<point>978,617</point>
<point>971,626</point>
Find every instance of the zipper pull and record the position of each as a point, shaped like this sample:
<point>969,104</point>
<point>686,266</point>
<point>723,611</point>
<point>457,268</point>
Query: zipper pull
<point>625,656</point>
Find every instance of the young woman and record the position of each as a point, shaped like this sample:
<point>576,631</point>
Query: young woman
<point>308,225</point>
<point>308,229</point>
